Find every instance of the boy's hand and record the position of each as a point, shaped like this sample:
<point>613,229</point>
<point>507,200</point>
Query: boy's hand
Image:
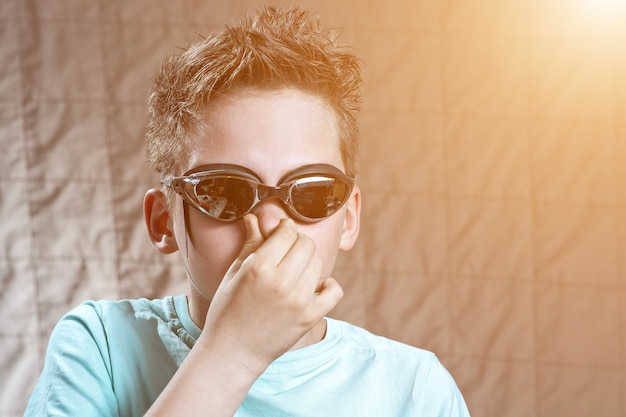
<point>270,297</point>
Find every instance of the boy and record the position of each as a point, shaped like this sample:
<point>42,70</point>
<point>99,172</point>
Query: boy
<point>254,134</point>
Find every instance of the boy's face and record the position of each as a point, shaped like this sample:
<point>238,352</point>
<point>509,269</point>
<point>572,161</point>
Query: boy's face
<point>270,133</point>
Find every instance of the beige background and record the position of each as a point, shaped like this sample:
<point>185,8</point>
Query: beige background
<point>494,224</point>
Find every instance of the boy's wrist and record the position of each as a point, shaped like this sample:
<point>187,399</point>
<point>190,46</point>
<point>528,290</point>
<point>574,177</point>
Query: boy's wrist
<point>234,358</point>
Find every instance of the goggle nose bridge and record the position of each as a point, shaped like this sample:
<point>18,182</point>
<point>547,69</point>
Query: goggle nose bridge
<point>280,192</point>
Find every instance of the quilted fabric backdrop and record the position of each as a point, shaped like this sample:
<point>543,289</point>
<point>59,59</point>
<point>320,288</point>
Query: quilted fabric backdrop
<point>492,168</point>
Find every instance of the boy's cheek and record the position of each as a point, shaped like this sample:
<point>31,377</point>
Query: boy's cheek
<point>215,248</point>
<point>326,235</point>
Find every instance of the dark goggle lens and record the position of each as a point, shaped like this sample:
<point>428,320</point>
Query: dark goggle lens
<point>318,197</point>
<point>225,198</point>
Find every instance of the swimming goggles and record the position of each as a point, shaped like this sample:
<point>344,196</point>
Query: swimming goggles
<point>227,192</point>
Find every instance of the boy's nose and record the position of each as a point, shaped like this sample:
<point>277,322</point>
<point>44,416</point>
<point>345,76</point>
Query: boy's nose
<point>269,213</point>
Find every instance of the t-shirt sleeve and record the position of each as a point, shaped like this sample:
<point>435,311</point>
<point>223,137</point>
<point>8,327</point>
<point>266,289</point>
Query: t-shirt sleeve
<point>76,377</point>
<point>443,397</point>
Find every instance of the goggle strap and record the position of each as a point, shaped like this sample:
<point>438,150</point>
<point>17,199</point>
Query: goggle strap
<point>185,227</point>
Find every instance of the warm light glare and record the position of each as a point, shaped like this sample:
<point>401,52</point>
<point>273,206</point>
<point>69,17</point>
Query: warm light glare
<point>605,8</point>
<point>606,17</point>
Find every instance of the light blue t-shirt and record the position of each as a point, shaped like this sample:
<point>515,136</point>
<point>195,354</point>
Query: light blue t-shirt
<point>111,358</point>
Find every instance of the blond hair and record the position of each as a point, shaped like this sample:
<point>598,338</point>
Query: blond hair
<point>276,48</point>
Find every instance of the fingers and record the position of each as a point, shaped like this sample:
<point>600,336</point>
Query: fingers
<point>327,295</point>
<point>329,292</point>
<point>272,294</point>
<point>286,262</point>
<point>279,243</point>
<point>291,257</point>
<point>300,260</point>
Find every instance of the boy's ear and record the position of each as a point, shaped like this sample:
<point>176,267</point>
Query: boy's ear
<point>158,222</point>
<point>352,222</point>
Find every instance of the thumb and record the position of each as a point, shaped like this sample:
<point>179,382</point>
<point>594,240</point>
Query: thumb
<point>254,238</point>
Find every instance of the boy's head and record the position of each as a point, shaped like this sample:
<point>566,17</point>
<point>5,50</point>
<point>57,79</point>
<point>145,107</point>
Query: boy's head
<point>269,104</point>
<point>277,48</point>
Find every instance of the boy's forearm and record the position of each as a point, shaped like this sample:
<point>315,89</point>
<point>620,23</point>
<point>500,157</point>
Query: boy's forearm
<point>210,382</point>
